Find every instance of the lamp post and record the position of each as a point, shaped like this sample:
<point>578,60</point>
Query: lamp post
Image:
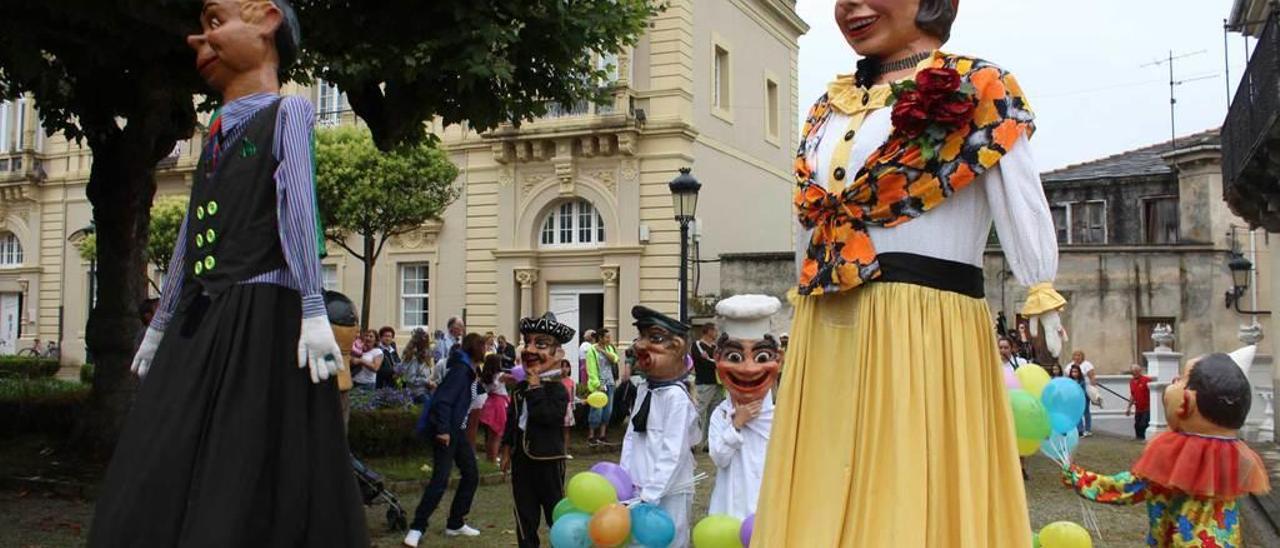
<point>684,199</point>
<point>1241,270</point>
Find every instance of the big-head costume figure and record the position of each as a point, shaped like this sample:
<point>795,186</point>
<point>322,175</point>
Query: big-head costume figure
<point>534,447</point>
<point>747,358</point>
<point>1191,476</point>
<point>235,437</point>
<point>658,448</point>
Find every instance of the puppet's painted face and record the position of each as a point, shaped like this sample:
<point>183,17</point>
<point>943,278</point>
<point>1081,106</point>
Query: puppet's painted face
<point>660,353</point>
<point>878,27</point>
<point>1180,403</point>
<point>748,367</point>
<point>541,353</point>
<point>236,37</point>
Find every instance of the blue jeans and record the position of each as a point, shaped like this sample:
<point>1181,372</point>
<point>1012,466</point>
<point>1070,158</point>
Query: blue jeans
<point>1088,416</point>
<point>601,416</point>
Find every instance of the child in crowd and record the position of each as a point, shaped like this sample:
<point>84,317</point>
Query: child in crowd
<point>493,414</point>
<point>566,378</point>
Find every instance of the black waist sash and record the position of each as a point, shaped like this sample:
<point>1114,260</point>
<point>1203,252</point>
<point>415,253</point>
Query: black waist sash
<point>941,274</point>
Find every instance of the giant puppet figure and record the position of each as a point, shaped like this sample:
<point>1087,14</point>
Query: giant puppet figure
<point>747,359</point>
<point>1193,475</point>
<point>658,448</point>
<point>235,437</point>
<point>893,427</point>
<point>534,443</point>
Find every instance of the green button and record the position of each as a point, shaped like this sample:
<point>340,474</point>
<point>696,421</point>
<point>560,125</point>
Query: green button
<point>209,262</point>
<point>199,240</point>
<point>210,236</point>
<point>200,212</point>
<point>199,268</point>
<point>213,208</point>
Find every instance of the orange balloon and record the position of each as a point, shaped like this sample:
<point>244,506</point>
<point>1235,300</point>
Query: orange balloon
<point>610,526</point>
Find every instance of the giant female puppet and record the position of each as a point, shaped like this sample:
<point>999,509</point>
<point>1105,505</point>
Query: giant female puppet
<point>235,438</point>
<point>893,427</point>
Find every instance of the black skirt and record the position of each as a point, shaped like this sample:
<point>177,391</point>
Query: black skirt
<point>229,443</point>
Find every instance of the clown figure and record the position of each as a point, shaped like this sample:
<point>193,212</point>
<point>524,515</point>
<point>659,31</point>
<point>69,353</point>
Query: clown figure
<point>1193,475</point>
<point>658,448</point>
<point>747,359</point>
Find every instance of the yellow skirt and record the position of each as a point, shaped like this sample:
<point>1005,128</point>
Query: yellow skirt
<point>893,427</point>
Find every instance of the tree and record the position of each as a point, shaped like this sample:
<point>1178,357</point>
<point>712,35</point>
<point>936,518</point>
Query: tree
<point>401,62</point>
<point>166,220</point>
<point>375,195</point>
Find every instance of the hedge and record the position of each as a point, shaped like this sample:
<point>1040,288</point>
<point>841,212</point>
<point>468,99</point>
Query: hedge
<point>384,433</point>
<point>86,374</point>
<point>26,367</point>
<point>45,406</point>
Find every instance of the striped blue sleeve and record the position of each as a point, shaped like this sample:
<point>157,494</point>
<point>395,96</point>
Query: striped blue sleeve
<point>296,202</point>
<point>172,281</point>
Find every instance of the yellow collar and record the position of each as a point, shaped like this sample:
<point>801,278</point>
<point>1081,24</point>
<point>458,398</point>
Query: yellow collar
<point>845,96</point>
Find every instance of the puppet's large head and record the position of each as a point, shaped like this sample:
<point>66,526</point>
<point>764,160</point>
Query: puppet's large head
<point>662,346</point>
<point>747,355</point>
<point>1212,395</point>
<point>543,341</point>
<point>239,37</point>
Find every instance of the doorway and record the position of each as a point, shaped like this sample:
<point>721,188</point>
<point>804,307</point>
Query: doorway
<point>580,307</point>
<point>10,312</point>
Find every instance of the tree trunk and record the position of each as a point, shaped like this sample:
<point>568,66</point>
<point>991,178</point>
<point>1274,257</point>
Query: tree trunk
<point>368,261</point>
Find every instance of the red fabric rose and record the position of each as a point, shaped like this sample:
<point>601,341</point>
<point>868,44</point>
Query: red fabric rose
<point>937,83</point>
<point>910,114</point>
<point>952,113</point>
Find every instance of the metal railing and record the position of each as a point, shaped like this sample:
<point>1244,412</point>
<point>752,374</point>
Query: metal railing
<point>1255,107</point>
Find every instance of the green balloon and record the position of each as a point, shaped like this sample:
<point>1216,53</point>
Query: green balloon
<point>1035,540</point>
<point>1029,417</point>
<point>590,491</point>
<point>565,506</point>
<point>718,531</point>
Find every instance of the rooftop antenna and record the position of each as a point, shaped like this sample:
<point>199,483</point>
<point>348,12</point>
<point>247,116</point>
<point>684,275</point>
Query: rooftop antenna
<point>1173,83</point>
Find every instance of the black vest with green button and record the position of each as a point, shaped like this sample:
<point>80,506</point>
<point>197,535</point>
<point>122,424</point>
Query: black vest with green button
<point>232,225</point>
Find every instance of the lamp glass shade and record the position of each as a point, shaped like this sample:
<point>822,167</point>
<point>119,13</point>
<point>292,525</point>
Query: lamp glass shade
<point>1240,268</point>
<point>684,194</point>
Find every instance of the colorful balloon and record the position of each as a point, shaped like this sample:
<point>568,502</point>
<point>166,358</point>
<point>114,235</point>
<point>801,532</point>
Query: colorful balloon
<point>518,373</point>
<point>1065,534</point>
<point>1029,418</point>
<point>589,491</point>
<point>1033,378</point>
<point>651,526</point>
<point>1028,447</point>
<point>717,531</point>
<point>597,400</point>
<point>610,526</point>
<point>565,506</point>
<point>619,477</point>
<point>1011,379</point>
<point>1035,540</point>
<point>748,527</point>
<point>1064,400</point>
<point>571,531</point>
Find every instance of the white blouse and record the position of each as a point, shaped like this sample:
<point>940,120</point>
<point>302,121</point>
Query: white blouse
<point>1009,193</point>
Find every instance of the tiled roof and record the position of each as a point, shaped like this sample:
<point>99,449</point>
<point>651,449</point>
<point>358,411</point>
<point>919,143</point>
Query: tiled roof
<point>1134,163</point>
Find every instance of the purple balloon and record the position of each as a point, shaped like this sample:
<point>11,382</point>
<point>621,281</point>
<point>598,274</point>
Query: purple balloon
<point>748,526</point>
<point>617,476</point>
<point>518,373</point>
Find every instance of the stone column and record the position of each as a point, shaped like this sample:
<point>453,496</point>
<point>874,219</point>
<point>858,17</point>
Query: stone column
<point>526,277</point>
<point>609,274</point>
<point>1163,364</point>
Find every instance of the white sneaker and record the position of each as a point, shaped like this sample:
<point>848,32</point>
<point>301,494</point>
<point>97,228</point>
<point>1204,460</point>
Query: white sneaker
<point>464,531</point>
<point>412,538</point>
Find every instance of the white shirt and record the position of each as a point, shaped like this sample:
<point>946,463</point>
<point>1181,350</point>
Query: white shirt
<point>1009,193</point>
<point>739,458</point>
<point>660,460</point>
<point>366,375</point>
<point>1013,363</point>
<point>1085,368</point>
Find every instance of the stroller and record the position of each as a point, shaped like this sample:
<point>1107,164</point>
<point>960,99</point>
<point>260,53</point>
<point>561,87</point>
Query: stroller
<point>372,489</point>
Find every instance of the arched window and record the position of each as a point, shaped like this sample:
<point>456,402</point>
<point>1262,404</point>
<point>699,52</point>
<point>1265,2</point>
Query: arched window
<point>572,223</point>
<point>10,250</point>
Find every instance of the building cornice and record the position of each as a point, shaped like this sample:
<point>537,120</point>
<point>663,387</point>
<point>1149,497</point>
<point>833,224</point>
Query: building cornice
<point>609,251</point>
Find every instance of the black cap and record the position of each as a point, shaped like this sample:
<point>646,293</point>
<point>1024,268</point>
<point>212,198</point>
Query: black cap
<point>341,310</point>
<point>288,36</point>
<point>646,317</point>
<point>547,325</point>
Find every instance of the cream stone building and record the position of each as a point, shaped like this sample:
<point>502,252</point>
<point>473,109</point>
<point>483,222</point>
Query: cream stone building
<point>569,213</point>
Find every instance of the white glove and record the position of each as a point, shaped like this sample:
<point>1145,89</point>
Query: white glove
<point>1054,334</point>
<point>318,349</point>
<point>146,352</point>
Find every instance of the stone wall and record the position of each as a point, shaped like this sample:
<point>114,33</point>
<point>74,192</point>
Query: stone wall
<point>768,273</point>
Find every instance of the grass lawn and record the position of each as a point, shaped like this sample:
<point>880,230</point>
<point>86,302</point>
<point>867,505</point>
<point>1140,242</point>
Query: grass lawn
<point>36,519</point>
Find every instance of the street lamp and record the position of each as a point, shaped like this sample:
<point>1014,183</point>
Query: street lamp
<point>1241,270</point>
<point>684,199</point>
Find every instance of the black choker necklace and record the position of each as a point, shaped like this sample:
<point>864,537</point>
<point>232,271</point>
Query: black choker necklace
<point>871,68</point>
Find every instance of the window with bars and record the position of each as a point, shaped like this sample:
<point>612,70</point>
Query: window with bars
<point>10,250</point>
<point>330,102</point>
<point>414,295</point>
<point>573,223</point>
<point>1160,216</point>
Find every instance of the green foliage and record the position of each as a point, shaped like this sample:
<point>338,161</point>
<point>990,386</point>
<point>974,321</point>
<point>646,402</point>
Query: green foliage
<point>166,220</point>
<point>44,406</point>
<point>27,368</point>
<point>384,432</point>
<point>86,374</point>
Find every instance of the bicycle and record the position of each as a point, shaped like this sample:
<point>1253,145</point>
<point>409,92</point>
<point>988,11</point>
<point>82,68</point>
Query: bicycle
<point>50,351</point>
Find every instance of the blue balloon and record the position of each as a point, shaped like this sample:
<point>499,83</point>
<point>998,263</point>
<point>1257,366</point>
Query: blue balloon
<point>1064,400</point>
<point>570,531</point>
<point>1054,446</point>
<point>651,526</point>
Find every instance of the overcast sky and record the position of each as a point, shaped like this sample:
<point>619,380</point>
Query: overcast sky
<point>1080,64</point>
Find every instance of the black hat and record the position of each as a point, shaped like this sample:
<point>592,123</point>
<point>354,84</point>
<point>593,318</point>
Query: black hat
<point>341,310</point>
<point>646,317</point>
<point>288,36</point>
<point>547,325</point>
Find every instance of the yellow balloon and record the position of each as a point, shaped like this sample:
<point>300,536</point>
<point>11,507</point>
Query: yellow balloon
<point>1033,379</point>
<point>597,400</point>
<point>1028,447</point>
<point>1065,534</point>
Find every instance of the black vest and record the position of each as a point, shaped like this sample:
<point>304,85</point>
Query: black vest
<point>538,442</point>
<point>232,226</point>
